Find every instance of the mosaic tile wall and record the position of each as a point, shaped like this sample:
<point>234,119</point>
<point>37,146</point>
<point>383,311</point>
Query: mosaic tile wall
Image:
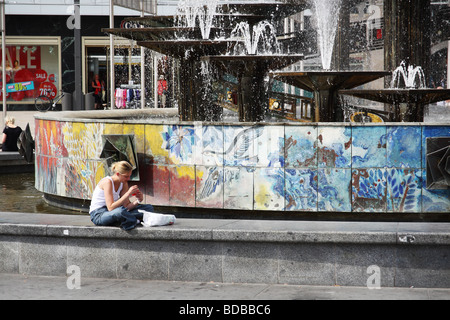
<point>287,167</point>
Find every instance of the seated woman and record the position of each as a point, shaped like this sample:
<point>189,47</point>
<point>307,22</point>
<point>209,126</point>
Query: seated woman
<point>111,203</point>
<point>10,135</point>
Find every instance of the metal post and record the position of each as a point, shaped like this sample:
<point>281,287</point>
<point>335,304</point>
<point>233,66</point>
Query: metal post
<point>111,55</point>
<point>142,66</point>
<point>78,63</point>
<point>448,66</point>
<point>2,7</point>
<point>155,78</point>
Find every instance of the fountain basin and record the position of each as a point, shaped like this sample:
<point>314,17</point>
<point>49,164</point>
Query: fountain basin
<point>267,168</point>
<point>325,86</point>
<point>415,99</point>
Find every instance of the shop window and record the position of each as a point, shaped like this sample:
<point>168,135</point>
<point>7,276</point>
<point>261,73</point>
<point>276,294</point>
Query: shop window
<point>31,70</point>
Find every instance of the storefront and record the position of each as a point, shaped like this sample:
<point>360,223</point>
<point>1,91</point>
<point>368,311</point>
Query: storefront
<point>33,68</point>
<point>128,61</point>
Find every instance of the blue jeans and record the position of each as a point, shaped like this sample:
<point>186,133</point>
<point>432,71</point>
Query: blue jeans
<point>126,219</point>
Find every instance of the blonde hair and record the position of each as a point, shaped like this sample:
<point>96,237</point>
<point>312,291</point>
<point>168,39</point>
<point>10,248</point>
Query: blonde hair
<point>9,119</point>
<point>122,167</point>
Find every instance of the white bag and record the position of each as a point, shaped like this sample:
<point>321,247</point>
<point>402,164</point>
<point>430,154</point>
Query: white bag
<point>152,219</point>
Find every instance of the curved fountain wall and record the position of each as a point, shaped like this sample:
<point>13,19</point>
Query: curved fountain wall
<point>325,167</point>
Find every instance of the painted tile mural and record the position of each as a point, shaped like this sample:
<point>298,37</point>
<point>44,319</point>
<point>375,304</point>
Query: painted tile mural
<point>209,190</point>
<point>404,147</point>
<point>301,146</point>
<point>433,200</point>
<point>301,189</point>
<point>180,142</point>
<point>369,190</point>
<point>335,147</point>
<point>238,188</point>
<point>269,189</point>
<point>276,167</point>
<point>404,189</point>
<point>368,147</point>
<point>334,190</point>
<point>239,145</point>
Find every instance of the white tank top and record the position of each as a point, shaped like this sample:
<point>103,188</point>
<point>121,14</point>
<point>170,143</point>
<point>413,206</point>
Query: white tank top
<point>98,198</point>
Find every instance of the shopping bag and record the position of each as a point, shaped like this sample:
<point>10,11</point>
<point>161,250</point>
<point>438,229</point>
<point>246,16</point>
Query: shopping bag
<point>152,219</point>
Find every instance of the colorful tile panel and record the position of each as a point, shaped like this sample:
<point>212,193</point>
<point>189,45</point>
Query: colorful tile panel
<point>301,190</point>
<point>238,188</point>
<point>368,147</point>
<point>301,146</point>
<point>304,168</point>
<point>369,190</point>
<point>335,147</point>
<point>404,147</point>
<point>269,189</point>
<point>210,186</point>
<point>334,190</point>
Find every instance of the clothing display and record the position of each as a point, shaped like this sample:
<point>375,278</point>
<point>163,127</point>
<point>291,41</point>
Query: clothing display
<point>127,98</point>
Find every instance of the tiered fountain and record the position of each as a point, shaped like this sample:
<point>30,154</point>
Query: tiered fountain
<point>245,45</point>
<point>326,84</point>
<point>407,87</point>
<point>251,167</point>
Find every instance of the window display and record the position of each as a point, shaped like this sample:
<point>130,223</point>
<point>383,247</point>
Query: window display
<point>31,71</point>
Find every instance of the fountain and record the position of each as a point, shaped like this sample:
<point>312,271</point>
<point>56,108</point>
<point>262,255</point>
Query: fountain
<point>249,50</point>
<point>326,84</point>
<point>407,87</point>
<point>253,167</point>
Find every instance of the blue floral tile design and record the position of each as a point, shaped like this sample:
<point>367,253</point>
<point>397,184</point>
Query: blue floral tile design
<point>334,190</point>
<point>369,190</point>
<point>301,146</point>
<point>335,147</point>
<point>301,189</point>
<point>180,141</point>
<point>369,147</point>
<point>404,146</point>
<point>404,190</point>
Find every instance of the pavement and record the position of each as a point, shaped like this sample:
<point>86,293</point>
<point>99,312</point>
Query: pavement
<point>21,287</point>
<point>76,287</point>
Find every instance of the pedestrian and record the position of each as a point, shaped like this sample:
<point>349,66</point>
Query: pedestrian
<point>11,134</point>
<point>98,88</point>
<point>111,204</point>
<point>162,91</point>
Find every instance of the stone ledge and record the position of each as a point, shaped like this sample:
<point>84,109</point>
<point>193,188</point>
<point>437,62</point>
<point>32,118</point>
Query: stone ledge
<point>229,251</point>
<point>251,231</point>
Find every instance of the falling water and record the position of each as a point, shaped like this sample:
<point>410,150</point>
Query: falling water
<point>261,40</point>
<point>412,77</point>
<point>203,10</point>
<point>327,15</point>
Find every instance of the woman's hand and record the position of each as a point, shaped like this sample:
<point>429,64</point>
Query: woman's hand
<point>135,192</point>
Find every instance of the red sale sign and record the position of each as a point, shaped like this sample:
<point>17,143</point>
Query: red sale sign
<point>40,75</point>
<point>48,89</point>
<point>23,57</point>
